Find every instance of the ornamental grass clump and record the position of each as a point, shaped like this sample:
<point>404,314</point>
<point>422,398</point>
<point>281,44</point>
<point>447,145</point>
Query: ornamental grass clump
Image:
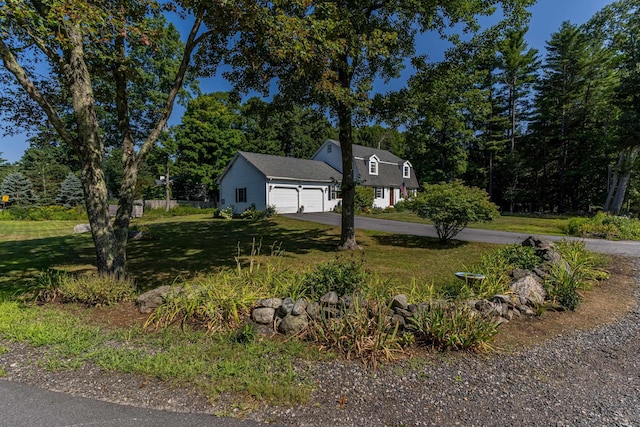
<point>453,326</point>
<point>92,290</point>
<point>364,332</point>
<point>577,271</point>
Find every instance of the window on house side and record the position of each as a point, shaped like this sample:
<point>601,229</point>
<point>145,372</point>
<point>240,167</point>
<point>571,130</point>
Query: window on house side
<point>379,192</point>
<point>241,195</point>
<point>329,148</point>
<point>334,192</point>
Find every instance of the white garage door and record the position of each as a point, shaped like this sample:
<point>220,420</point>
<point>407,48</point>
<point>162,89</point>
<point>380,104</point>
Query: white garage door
<point>311,199</point>
<point>284,199</point>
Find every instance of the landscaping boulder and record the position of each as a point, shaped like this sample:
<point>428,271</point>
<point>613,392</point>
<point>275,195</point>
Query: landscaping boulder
<point>269,302</point>
<point>152,299</point>
<point>291,325</point>
<point>82,228</point>
<point>299,307</point>
<point>530,289</point>
<point>330,298</point>
<point>399,301</point>
<point>263,315</point>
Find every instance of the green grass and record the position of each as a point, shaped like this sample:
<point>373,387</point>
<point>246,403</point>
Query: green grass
<point>513,223</point>
<point>261,369</point>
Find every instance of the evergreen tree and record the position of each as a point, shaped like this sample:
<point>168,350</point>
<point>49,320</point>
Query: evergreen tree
<point>71,193</point>
<point>18,188</point>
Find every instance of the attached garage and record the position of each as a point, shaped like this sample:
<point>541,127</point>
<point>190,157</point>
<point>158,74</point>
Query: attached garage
<point>290,185</point>
<point>285,199</point>
<point>312,200</point>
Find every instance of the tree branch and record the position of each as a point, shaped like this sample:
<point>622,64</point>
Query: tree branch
<point>11,64</point>
<point>190,45</point>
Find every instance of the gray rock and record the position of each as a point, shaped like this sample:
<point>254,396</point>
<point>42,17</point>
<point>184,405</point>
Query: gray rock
<point>82,228</point>
<point>314,311</point>
<point>149,301</point>
<point>291,325</point>
<point>484,306</point>
<point>529,288</point>
<point>504,299</point>
<point>399,301</point>
<point>346,301</point>
<point>286,307</point>
<point>263,315</point>
<point>136,235</point>
<point>404,313</point>
<point>269,302</point>
<point>299,307</point>
<point>330,298</point>
<point>519,273</point>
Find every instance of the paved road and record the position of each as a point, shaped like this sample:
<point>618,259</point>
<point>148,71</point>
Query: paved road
<point>27,406</point>
<point>625,248</point>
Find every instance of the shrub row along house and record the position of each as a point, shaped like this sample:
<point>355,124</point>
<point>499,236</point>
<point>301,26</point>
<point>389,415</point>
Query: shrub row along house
<point>299,185</point>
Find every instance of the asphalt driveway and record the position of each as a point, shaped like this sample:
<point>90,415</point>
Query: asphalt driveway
<point>622,247</point>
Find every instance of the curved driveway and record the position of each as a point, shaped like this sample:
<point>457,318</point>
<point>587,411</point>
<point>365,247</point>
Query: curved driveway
<point>623,247</point>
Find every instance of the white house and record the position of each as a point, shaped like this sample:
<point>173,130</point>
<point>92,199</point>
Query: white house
<point>289,184</point>
<point>390,176</point>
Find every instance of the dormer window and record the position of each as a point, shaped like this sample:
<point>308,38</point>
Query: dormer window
<point>373,165</point>
<point>406,170</point>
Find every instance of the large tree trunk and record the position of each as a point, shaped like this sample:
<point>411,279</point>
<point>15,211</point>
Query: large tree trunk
<point>348,232</point>
<point>624,176</point>
<point>90,149</point>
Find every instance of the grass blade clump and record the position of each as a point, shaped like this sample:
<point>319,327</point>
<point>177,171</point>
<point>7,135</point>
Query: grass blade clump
<point>453,326</point>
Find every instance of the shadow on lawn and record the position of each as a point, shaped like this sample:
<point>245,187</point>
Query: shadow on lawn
<point>172,249</point>
<point>409,241</point>
<point>22,260</point>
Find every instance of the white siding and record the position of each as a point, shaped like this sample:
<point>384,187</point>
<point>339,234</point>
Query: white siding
<point>243,175</point>
<point>333,159</point>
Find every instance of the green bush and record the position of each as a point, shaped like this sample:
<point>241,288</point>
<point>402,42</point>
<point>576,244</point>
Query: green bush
<point>605,226</point>
<point>180,210</point>
<point>363,199</point>
<point>451,206</point>
<point>453,326</point>
<point>45,213</point>
<point>343,277</point>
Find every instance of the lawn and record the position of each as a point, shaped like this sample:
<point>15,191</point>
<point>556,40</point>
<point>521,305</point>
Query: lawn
<point>182,246</point>
<point>552,225</point>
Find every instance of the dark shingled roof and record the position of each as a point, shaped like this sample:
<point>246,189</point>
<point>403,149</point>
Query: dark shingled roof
<point>388,175</point>
<point>291,167</point>
<point>366,152</point>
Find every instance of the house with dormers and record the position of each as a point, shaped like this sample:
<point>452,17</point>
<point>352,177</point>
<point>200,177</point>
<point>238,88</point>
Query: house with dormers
<point>312,185</point>
<point>391,177</point>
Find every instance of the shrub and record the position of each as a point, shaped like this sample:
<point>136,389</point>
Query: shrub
<point>343,277</point>
<point>451,326</point>
<point>180,210</point>
<point>451,206</point>
<point>226,213</point>
<point>45,213</point>
<point>605,226</point>
<point>363,199</point>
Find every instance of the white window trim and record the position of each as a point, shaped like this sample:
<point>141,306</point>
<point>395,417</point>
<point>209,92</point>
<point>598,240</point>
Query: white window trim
<point>406,170</point>
<point>374,164</point>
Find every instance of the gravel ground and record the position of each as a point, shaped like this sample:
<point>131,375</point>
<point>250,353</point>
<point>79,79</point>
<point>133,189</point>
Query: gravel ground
<point>578,379</point>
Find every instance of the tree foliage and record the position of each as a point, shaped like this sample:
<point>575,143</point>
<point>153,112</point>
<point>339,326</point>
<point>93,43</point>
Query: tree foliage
<point>18,188</point>
<point>70,194</point>
<point>452,206</point>
<point>104,73</point>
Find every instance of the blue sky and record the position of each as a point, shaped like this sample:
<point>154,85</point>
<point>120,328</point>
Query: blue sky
<point>546,17</point>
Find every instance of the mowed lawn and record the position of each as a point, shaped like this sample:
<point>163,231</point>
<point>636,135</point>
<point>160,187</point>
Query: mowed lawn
<point>177,248</point>
<point>550,225</point>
